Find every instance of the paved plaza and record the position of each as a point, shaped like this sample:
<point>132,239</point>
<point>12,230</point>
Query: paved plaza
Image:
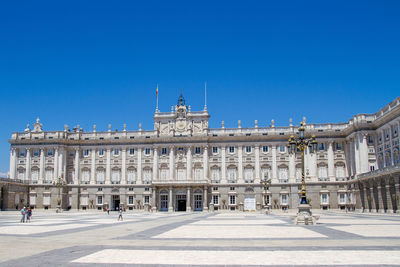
<point>196,239</point>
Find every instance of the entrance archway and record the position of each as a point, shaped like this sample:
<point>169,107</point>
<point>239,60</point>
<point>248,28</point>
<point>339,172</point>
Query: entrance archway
<point>180,202</point>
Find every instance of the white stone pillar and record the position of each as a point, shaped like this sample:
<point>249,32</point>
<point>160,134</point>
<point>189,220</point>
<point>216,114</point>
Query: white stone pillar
<point>64,163</point>
<point>139,169</point>
<point>28,165</point>
<point>240,164</point>
<point>189,164</point>
<point>77,178</point>
<point>93,167</point>
<point>364,153</point>
<point>170,207</point>
<point>274,165</point>
<point>257,165</point>
<point>292,168</point>
<point>205,163</point>
<point>55,160</point>
<point>123,166</point>
<point>391,144</point>
<point>205,200</point>
<point>383,149</point>
<point>41,165</point>
<point>13,157</point>
<point>331,162</point>
<point>313,165</point>
<point>357,154</point>
<point>155,163</point>
<point>171,164</point>
<point>223,163</point>
<point>188,200</point>
<point>108,167</point>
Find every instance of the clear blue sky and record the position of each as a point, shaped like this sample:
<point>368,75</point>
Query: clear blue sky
<point>98,62</point>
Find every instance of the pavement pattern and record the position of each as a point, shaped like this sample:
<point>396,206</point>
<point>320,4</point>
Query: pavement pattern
<point>198,239</point>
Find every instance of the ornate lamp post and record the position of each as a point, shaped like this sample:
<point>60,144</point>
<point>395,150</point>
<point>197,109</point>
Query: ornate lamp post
<point>59,183</point>
<point>299,145</point>
<point>266,182</point>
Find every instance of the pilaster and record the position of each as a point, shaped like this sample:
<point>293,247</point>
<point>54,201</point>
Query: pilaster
<point>331,162</point>
<point>123,167</point>
<point>93,167</point>
<point>223,165</point>
<point>257,165</point>
<point>76,176</point>
<point>28,165</point>
<point>240,164</point>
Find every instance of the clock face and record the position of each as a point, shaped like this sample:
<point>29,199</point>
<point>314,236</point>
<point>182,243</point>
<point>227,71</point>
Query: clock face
<point>180,125</point>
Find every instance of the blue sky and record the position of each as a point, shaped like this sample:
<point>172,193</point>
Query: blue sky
<point>98,62</point>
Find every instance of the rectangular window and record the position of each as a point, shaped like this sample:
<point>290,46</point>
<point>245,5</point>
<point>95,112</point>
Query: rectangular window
<point>324,199</point>
<point>339,146</point>
<point>248,149</point>
<point>231,149</point>
<point>101,152</point>
<point>147,151</point>
<point>372,168</point>
<point>36,153</point>
<point>282,149</point>
<point>342,198</point>
<point>265,149</point>
<point>147,199</point>
<point>321,146</point>
<point>197,150</point>
<point>116,152</point>
<point>22,152</point>
<point>215,200</point>
<point>164,151</point>
<point>215,188</point>
<point>284,199</point>
<point>232,188</point>
<point>130,200</point>
<point>215,150</point>
<point>232,200</point>
<point>86,152</point>
<point>50,152</point>
<point>131,151</point>
<point>100,200</point>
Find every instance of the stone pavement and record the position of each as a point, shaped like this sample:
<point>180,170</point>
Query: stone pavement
<point>198,239</point>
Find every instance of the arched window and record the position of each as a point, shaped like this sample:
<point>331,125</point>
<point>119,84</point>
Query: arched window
<point>115,176</point>
<point>100,176</point>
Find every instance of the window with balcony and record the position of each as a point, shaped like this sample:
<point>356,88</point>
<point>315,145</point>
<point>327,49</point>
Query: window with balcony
<point>100,176</point>
<point>116,176</point>
<point>248,172</point>
<point>322,173</point>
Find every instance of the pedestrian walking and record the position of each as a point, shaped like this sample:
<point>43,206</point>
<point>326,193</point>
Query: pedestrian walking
<point>28,215</point>
<point>120,215</point>
<point>23,212</point>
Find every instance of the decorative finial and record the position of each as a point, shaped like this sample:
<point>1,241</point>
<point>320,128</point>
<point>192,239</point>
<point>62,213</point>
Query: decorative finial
<point>222,124</point>
<point>109,127</point>
<point>290,122</point>
<point>124,127</point>
<point>190,108</point>
<point>256,123</point>
<point>239,124</point>
<point>27,129</point>
<point>304,120</point>
<point>140,126</point>
<point>37,120</point>
<point>172,109</point>
<point>94,128</point>
<point>65,127</point>
<point>37,127</point>
<point>181,100</point>
<point>273,123</point>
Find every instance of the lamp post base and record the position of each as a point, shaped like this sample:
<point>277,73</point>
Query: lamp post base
<point>304,215</point>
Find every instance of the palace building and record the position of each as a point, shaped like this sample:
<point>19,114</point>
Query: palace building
<point>183,165</point>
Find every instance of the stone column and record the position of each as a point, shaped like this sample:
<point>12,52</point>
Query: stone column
<point>153,199</point>
<point>171,164</point>
<point>274,165</point>
<point>257,165</point>
<point>223,163</point>
<point>155,164</point>
<point>292,168</point>
<point>189,164</point>
<point>170,207</point>
<point>188,200</point>
<point>205,163</point>
<point>108,167</point>
<point>383,149</point>
<point>240,164</point>
<point>12,162</point>
<point>42,170</point>
<point>28,165</point>
<point>331,162</point>
<point>205,200</point>
<point>364,153</point>
<point>76,178</point>
<point>139,169</point>
<point>93,167</point>
<point>123,166</point>
<point>357,154</point>
<point>55,159</point>
<point>313,165</point>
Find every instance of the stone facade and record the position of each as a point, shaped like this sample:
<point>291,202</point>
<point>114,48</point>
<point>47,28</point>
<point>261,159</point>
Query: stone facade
<point>183,165</point>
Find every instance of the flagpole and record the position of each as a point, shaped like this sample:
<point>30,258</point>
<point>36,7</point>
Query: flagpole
<point>205,96</point>
<point>157,99</point>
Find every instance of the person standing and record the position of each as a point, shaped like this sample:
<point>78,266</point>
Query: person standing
<point>23,211</point>
<point>120,215</point>
<point>28,215</point>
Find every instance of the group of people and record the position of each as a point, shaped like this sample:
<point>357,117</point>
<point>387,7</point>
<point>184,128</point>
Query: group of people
<point>26,214</point>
